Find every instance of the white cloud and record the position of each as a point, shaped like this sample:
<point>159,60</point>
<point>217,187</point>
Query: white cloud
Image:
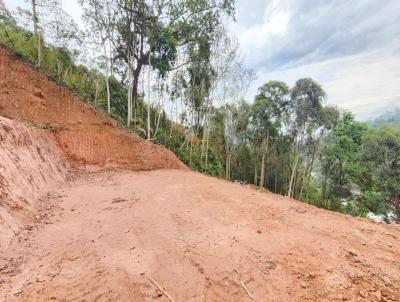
<point>363,83</point>
<point>349,47</point>
<point>254,38</point>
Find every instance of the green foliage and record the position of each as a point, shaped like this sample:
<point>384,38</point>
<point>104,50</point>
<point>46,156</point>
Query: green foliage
<point>341,154</point>
<point>306,100</point>
<point>269,107</point>
<point>381,156</point>
<point>165,50</point>
<point>371,201</point>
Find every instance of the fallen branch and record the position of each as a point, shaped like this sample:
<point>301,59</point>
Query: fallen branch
<point>246,290</point>
<point>159,288</point>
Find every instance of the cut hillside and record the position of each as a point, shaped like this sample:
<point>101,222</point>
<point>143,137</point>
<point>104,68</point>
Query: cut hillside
<point>30,166</point>
<point>86,136</point>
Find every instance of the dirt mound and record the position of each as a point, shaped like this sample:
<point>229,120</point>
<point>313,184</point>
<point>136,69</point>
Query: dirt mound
<point>85,135</point>
<point>200,239</point>
<point>30,165</point>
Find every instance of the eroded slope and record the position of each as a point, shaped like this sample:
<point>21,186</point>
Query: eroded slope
<point>30,165</point>
<point>85,135</point>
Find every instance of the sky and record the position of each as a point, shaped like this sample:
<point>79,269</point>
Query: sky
<point>352,48</point>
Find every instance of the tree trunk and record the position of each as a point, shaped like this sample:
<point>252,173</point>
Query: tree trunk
<point>134,90</point>
<point>227,164</point>
<point>262,178</point>
<point>265,150</point>
<point>129,116</point>
<point>107,80</point>
<point>160,105</point>
<point>255,175</point>
<point>323,194</point>
<point>97,92</point>
<point>207,139</point>
<point>292,177</point>
<point>302,181</point>
<point>148,99</point>
<point>296,153</point>
<point>36,31</point>
<point>108,95</point>
<point>191,150</point>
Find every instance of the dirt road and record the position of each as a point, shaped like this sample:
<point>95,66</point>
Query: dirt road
<point>102,236</point>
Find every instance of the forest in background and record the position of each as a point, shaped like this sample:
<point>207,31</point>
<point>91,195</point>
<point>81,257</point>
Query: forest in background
<point>171,73</point>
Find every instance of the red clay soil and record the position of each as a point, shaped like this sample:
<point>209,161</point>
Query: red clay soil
<point>200,239</point>
<point>85,135</point>
<point>30,165</point>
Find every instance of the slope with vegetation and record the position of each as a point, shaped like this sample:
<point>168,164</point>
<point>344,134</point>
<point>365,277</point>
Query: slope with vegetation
<point>85,135</point>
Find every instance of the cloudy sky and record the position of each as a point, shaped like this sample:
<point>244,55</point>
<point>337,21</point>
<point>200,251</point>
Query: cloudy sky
<point>351,47</point>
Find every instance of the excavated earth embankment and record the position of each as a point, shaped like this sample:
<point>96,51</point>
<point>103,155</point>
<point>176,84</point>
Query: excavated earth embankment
<point>30,165</point>
<point>85,136</point>
<point>69,232</point>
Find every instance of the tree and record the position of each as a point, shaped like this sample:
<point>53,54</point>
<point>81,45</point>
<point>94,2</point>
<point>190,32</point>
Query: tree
<point>328,119</point>
<point>35,21</point>
<point>381,156</point>
<point>49,22</point>
<point>100,16</point>
<point>230,123</point>
<point>340,157</point>
<point>267,113</point>
<point>306,102</point>
<point>4,12</point>
<point>162,30</point>
<point>226,79</point>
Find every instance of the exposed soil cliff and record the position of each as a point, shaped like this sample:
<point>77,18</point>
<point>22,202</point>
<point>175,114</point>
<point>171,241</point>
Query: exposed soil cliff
<point>85,135</point>
<point>30,165</point>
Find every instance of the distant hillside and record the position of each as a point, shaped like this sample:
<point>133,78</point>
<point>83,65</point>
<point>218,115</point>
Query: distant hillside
<point>389,118</point>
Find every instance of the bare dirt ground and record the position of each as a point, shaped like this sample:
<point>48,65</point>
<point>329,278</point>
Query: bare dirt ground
<point>101,235</point>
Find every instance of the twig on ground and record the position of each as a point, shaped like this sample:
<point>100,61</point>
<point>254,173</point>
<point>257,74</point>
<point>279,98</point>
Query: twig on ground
<point>159,288</point>
<point>246,290</point>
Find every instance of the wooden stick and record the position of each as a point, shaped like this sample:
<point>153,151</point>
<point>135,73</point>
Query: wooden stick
<point>246,290</point>
<point>159,288</point>
<point>242,284</point>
